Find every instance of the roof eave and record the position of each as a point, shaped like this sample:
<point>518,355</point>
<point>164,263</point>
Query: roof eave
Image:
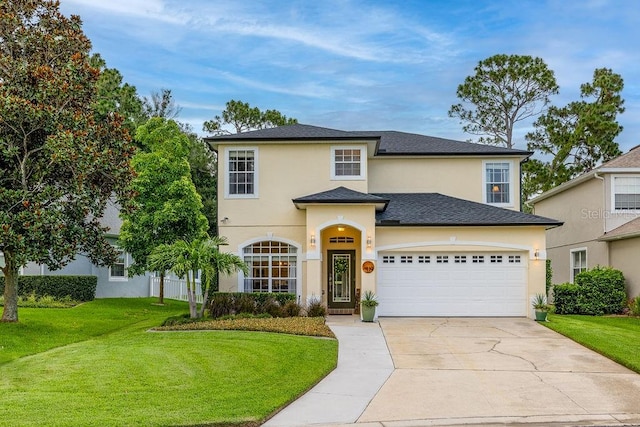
<point>630,235</point>
<point>379,206</point>
<point>506,224</point>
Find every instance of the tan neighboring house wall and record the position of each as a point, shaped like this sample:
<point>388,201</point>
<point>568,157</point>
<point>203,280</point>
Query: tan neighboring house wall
<point>625,256</point>
<point>586,205</point>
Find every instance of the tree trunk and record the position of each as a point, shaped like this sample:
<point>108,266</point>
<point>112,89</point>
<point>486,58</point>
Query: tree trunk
<point>161,296</point>
<point>191,296</point>
<point>10,270</point>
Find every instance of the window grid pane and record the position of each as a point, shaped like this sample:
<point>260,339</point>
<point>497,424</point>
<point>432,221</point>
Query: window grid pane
<point>347,162</point>
<point>627,193</point>
<point>497,182</point>
<point>241,172</point>
<point>272,267</point>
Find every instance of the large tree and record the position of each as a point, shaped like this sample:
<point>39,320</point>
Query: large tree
<point>242,117</point>
<point>168,207</point>
<point>61,161</point>
<point>115,95</point>
<point>576,138</point>
<point>504,90</point>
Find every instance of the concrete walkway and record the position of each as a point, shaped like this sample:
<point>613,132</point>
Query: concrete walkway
<point>364,364</point>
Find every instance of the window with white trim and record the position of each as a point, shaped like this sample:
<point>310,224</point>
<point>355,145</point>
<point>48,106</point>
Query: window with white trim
<point>242,172</point>
<point>388,259</point>
<point>118,271</point>
<point>626,193</point>
<point>496,259</point>
<point>442,259</point>
<point>424,259</point>
<point>272,267</point>
<point>514,259</point>
<point>578,262</point>
<point>348,162</point>
<point>406,259</point>
<point>497,181</point>
<point>460,259</point>
<point>478,259</point>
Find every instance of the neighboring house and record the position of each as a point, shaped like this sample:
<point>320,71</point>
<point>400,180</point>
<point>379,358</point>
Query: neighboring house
<point>601,214</point>
<point>114,281</point>
<point>433,226</point>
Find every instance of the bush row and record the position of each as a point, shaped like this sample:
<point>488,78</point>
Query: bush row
<point>598,291</point>
<point>77,288</point>
<point>272,304</point>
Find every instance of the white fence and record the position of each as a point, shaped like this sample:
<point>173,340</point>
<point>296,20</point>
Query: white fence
<point>173,289</point>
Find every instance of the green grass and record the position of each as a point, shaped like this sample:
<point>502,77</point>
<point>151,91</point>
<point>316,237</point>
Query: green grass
<point>614,337</point>
<point>97,365</point>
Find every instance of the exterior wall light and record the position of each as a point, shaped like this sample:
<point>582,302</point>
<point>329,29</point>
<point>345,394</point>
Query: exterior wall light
<point>536,254</point>
<point>313,240</point>
<point>369,242</point>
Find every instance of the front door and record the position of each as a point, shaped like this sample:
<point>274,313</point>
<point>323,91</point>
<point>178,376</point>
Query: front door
<point>342,279</point>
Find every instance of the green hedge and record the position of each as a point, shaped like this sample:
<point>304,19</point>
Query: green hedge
<point>78,288</point>
<point>598,291</point>
<point>565,298</point>
<point>228,303</point>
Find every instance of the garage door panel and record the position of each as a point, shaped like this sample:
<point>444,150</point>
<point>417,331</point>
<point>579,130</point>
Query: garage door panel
<point>453,288</point>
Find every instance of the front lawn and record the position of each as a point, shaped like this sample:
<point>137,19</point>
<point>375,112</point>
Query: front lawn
<point>97,364</point>
<point>614,337</point>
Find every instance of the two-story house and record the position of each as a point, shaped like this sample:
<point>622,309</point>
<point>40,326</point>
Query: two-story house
<point>432,226</point>
<point>601,214</point>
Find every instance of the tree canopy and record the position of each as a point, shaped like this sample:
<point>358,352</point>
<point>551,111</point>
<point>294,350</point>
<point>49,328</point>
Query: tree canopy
<point>574,139</point>
<point>242,117</point>
<point>62,159</point>
<point>504,90</point>
<point>168,207</point>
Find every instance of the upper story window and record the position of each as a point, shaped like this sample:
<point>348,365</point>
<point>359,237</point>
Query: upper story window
<point>242,179</point>
<point>497,183</point>
<point>626,193</point>
<point>348,162</point>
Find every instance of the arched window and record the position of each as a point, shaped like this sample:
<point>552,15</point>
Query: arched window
<point>272,267</point>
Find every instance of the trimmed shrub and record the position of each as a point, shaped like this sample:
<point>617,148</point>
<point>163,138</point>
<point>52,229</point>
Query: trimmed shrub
<point>221,304</point>
<point>565,297</point>
<point>315,308</point>
<point>634,306</point>
<point>291,309</point>
<point>233,303</point>
<point>602,291</point>
<point>272,307</point>
<point>77,288</point>
<point>245,303</point>
<point>598,291</point>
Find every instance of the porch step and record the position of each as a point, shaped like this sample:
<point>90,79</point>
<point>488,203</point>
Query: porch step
<point>341,311</point>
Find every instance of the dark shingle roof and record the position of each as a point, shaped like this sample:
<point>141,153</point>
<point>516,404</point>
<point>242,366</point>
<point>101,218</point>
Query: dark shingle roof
<point>341,195</point>
<point>289,132</point>
<point>401,143</point>
<point>434,209</point>
<point>389,143</point>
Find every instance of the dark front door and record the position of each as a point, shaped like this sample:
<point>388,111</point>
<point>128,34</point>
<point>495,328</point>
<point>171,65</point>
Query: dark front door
<point>342,279</point>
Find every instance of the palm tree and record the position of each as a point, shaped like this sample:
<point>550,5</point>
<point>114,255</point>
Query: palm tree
<point>185,258</point>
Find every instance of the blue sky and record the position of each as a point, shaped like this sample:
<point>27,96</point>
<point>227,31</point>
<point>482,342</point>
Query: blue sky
<point>358,64</point>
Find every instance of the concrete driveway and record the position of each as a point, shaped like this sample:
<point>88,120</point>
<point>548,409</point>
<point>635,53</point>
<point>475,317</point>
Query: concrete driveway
<point>497,370</point>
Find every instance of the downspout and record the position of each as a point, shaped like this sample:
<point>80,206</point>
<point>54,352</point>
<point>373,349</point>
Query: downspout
<point>604,213</point>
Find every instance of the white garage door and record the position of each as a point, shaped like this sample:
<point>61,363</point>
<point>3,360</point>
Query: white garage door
<point>452,284</point>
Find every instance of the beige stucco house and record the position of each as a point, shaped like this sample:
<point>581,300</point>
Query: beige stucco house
<point>432,226</point>
<point>601,214</point>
